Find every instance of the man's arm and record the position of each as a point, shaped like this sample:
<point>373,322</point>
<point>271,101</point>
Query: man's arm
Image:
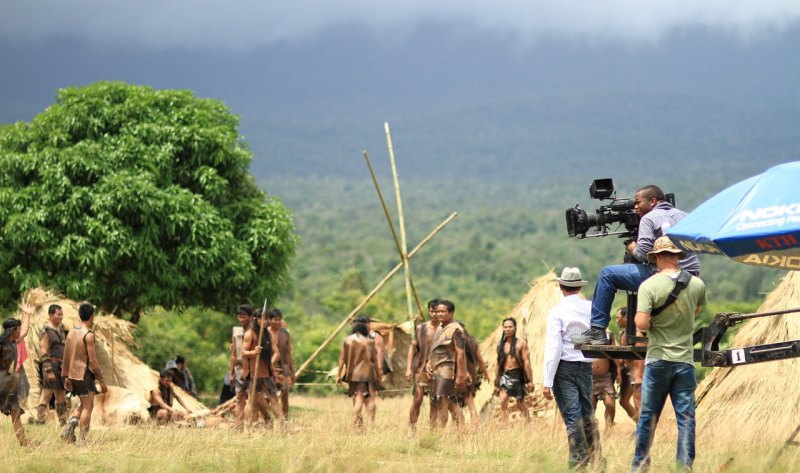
<point>342,366</point>
<point>180,401</point>
<point>289,361</point>
<point>552,348</point>
<point>410,358</point>
<point>526,357</point>
<point>377,363</point>
<point>481,363</point>
<point>459,342</point>
<point>247,343</point>
<point>93,364</point>
<point>232,367</point>
<point>379,348</point>
<point>27,310</point>
<point>644,241</point>
<point>44,349</point>
<point>642,320</point>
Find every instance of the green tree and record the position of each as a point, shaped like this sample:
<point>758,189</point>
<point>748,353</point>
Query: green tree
<point>134,197</point>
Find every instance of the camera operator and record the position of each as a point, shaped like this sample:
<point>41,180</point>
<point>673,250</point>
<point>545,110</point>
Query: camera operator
<point>657,215</point>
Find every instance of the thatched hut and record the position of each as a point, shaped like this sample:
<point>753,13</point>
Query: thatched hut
<point>531,314</point>
<point>756,403</point>
<point>129,379</point>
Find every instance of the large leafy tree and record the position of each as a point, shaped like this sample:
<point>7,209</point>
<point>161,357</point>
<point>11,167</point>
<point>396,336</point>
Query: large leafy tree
<point>134,197</point>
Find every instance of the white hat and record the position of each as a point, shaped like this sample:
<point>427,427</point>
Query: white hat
<point>571,277</point>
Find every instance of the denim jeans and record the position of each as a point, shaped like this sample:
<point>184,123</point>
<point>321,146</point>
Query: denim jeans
<point>572,389</point>
<point>662,378</point>
<point>626,277</point>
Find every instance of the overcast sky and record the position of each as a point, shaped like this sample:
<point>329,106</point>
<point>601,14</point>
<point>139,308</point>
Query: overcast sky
<point>247,24</point>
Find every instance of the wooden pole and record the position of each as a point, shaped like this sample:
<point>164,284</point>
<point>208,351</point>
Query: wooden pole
<point>404,246</point>
<point>372,293</point>
<point>394,232</point>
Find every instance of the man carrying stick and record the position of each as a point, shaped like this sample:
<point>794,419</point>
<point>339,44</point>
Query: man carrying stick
<point>257,371</point>
<point>80,370</point>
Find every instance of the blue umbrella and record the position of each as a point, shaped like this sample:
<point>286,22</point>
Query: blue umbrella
<point>756,221</point>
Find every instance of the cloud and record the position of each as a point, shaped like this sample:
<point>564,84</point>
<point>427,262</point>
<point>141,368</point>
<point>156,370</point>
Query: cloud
<point>247,24</point>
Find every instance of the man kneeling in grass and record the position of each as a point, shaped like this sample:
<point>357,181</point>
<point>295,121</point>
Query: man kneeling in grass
<point>161,398</point>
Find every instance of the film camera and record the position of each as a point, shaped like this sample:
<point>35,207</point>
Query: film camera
<point>619,211</point>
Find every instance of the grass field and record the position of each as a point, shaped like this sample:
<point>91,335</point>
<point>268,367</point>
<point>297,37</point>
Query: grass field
<point>321,440</point>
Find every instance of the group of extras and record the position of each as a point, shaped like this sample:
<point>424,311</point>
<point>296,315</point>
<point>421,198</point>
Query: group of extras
<point>445,364</point>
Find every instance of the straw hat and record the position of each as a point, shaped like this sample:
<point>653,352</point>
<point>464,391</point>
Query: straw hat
<point>663,245</point>
<point>571,277</point>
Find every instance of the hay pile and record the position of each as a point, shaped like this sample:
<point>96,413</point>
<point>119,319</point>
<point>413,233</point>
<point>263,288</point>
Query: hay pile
<point>759,402</point>
<point>128,378</point>
<point>531,315</point>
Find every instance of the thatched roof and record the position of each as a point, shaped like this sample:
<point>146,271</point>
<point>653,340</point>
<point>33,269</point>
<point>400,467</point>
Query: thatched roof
<point>132,378</point>
<point>758,402</point>
<point>531,314</point>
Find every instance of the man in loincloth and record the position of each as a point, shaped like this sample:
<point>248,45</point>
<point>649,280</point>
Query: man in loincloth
<point>476,372</point>
<point>604,372</point>
<point>51,348</point>
<point>513,376</point>
<point>630,373</point>
<point>418,353</point>
<point>359,368</point>
<point>447,365</point>
<point>266,391</point>
<point>282,363</point>
<point>14,332</point>
<point>161,398</point>
<point>80,371</point>
<point>244,314</point>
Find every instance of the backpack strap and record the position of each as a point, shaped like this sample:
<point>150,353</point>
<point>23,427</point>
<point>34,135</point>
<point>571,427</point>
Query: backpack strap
<point>680,284</point>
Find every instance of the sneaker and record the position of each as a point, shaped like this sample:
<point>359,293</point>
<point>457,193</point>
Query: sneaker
<point>593,336</point>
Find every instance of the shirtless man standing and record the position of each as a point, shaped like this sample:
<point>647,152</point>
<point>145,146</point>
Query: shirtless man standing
<point>359,368</point>
<point>418,353</point>
<point>80,370</point>
<point>244,313</point>
<point>514,372</point>
<point>630,374</point>
<point>447,364</point>
<point>261,375</point>
<point>603,375</point>
<point>282,363</point>
<point>51,347</point>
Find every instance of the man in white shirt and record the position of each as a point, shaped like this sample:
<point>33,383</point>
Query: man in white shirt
<point>568,374</point>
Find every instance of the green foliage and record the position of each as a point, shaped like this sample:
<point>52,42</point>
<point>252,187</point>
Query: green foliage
<point>134,197</point>
<point>202,336</point>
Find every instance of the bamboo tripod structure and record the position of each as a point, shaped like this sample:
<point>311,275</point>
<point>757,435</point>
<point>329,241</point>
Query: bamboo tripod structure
<point>400,243</point>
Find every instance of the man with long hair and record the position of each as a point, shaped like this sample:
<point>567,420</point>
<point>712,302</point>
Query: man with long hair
<point>513,376</point>
<point>257,368</point>
<point>360,369</point>
<point>14,332</point>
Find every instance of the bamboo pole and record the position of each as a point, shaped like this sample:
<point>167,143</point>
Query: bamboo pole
<point>394,232</point>
<point>372,293</point>
<point>402,223</point>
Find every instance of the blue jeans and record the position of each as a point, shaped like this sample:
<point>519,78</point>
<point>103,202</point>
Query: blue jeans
<point>572,389</point>
<point>662,378</point>
<point>627,277</point>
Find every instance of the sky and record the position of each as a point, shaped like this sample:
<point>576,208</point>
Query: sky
<point>247,24</point>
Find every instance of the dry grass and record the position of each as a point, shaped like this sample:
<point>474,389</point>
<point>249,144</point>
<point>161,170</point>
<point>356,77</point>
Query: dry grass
<point>322,440</point>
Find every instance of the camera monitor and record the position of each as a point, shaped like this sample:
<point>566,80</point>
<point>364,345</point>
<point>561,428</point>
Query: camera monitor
<point>601,189</point>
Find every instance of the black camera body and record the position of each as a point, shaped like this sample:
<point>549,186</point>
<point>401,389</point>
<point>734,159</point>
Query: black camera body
<point>621,211</point>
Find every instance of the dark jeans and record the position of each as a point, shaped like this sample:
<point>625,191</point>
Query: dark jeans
<point>662,378</point>
<point>572,389</point>
<point>626,277</point>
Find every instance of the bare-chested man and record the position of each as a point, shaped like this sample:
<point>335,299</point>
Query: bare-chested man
<point>476,371</point>
<point>51,348</point>
<point>630,374</point>
<point>80,371</point>
<point>604,371</point>
<point>14,332</point>
<point>261,372</point>
<point>282,363</point>
<point>447,365</point>
<point>244,314</point>
<point>161,398</point>
<point>418,353</point>
<point>359,368</point>
<point>513,369</point>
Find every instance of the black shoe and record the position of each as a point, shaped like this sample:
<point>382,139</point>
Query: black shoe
<point>593,336</point>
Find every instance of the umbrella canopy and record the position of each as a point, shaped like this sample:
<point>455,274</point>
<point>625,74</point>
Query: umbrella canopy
<point>756,221</point>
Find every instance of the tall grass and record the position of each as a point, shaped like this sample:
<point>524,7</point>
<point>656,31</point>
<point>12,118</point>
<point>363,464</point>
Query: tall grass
<point>321,440</point>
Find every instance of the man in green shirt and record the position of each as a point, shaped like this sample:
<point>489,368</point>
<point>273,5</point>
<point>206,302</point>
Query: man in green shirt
<point>669,366</point>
